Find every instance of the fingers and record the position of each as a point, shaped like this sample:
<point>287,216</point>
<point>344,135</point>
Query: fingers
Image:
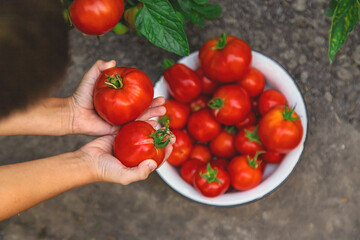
<point>141,172</point>
<point>157,102</point>
<point>153,123</point>
<point>97,68</point>
<point>152,112</point>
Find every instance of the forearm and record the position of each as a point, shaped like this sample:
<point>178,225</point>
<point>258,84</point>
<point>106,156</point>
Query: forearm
<point>49,117</point>
<point>24,185</point>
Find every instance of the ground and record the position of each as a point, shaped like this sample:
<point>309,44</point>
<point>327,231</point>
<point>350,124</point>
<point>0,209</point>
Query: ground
<point>319,200</point>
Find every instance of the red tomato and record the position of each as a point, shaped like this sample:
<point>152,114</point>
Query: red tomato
<point>223,145</point>
<point>220,162</point>
<point>176,113</point>
<point>184,84</point>
<point>96,17</point>
<point>253,82</point>
<point>189,168</point>
<point>201,152</point>
<point>270,99</point>
<point>247,141</point>
<point>255,106</point>
<point>225,59</point>
<point>249,120</point>
<point>203,126</point>
<point>138,141</point>
<point>122,94</point>
<point>280,129</point>
<point>245,172</point>
<point>181,148</point>
<point>208,86</point>
<point>199,103</point>
<point>211,181</point>
<point>272,157</point>
<point>230,104</point>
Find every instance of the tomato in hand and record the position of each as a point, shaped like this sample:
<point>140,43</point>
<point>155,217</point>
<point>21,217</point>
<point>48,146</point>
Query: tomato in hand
<point>253,82</point>
<point>247,141</point>
<point>184,84</point>
<point>203,126</point>
<point>223,145</point>
<point>199,103</point>
<point>225,59</point>
<point>176,114</point>
<point>122,94</point>
<point>249,120</point>
<point>270,99</point>
<point>96,17</point>
<point>208,86</point>
<point>245,172</point>
<point>272,157</point>
<point>138,141</point>
<point>211,181</point>
<point>280,129</point>
<point>181,148</point>
<point>201,152</point>
<point>189,168</point>
<point>230,104</point>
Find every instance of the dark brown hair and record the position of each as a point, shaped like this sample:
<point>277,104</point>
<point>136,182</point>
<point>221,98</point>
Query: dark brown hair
<point>33,51</point>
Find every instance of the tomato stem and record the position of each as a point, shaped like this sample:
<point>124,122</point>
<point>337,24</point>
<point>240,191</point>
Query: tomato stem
<point>230,129</point>
<point>161,137</point>
<point>167,63</point>
<point>288,112</point>
<point>253,136</point>
<point>216,103</point>
<point>210,174</point>
<point>164,120</point>
<point>255,162</point>
<point>114,81</point>
<point>221,43</point>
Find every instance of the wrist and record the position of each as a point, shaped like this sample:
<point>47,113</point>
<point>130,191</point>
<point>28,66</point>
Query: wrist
<point>88,163</point>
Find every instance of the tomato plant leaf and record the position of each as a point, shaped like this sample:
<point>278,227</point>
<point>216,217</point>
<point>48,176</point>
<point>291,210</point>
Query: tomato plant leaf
<point>185,5</point>
<point>159,23</point>
<point>331,10</point>
<point>208,11</point>
<point>200,2</point>
<point>346,15</point>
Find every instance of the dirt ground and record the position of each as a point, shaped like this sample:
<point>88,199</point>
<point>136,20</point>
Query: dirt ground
<point>319,200</point>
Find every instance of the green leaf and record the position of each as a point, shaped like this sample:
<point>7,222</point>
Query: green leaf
<point>208,11</point>
<point>185,5</point>
<point>200,2</point>
<point>158,22</point>
<point>331,10</point>
<point>345,17</point>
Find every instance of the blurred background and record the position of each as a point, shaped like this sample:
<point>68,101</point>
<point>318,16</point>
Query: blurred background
<point>320,200</point>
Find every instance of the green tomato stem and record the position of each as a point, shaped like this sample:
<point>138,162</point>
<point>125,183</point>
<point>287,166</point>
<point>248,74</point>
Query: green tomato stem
<point>287,113</point>
<point>254,162</point>
<point>210,175</point>
<point>216,103</point>
<point>114,81</point>
<point>161,137</point>
<point>253,136</point>
<point>221,43</point>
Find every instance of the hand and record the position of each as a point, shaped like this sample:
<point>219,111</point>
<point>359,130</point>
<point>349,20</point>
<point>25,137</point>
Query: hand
<point>83,117</point>
<point>107,168</point>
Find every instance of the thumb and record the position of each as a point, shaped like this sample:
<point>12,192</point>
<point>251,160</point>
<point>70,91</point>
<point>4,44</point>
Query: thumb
<point>141,172</point>
<point>98,67</point>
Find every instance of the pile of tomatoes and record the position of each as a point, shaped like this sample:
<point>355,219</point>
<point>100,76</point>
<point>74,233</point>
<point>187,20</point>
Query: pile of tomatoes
<point>227,127</point>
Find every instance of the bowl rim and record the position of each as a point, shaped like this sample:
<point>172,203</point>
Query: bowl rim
<point>288,175</point>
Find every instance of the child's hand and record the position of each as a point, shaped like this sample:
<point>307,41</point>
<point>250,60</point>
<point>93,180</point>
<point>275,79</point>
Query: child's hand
<point>107,168</point>
<point>83,117</point>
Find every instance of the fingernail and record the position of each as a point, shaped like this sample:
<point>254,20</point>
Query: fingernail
<point>152,166</point>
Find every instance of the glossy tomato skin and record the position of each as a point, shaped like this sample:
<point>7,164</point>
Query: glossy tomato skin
<point>227,64</point>
<point>203,126</point>
<point>184,84</point>
<point>120,105</point>
<point>199,103</point>
<point>272,157</point>
<point>201,152</point>
<point>243,176</point>
<point>249,120</point>
<point>279,134</point>
<point>177,113</point>
<point>270,99</point>
<point>253,82</point>
<point>214,188</point>
<point>189,168</point>
<point>132,144</point>
<point>223,145</point>
<point>208,86</point>
<point>181,148</point>
<point>232,104</point>
<point>96,17</point>
<point>247,141</point>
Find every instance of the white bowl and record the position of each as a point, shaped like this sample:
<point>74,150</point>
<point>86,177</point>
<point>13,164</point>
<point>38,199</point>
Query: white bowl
<point>275,174</point>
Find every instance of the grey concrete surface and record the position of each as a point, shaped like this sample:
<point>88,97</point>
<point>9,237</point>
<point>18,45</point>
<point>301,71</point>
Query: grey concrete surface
<point>321,198</point>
